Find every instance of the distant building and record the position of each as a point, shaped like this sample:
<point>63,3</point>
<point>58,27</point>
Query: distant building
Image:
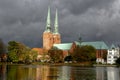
<point>53,39</point>
<point>49,37</point>
<point>100,46</point>
<point>112,55</point>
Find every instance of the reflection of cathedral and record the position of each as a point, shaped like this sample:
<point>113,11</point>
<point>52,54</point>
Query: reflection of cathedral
<point>65,73</point>
<point>42,72</point>
<point>49,37</point>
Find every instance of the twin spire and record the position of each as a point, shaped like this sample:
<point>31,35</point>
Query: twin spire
<point>48,23</point>
<point>48,27</point>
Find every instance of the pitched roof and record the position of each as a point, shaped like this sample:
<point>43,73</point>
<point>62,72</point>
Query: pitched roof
<point>63,46</point>
<point>112,46</point>
<point>96,45</point>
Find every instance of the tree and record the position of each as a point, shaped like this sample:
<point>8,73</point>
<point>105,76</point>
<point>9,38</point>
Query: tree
<point>19,52</point>
<point>12,56</point>
<point>3,55</point>
<point>14,51</point>
<point>55,54</point>
<point>84,53</point>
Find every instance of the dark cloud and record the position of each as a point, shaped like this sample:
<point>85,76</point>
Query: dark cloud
<point>25,20</point>
<point>78,7</point>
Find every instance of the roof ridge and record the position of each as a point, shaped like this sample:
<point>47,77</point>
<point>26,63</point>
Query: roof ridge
<point>62,43</point>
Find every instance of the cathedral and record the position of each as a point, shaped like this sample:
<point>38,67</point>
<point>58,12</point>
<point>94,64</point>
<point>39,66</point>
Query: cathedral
<point>51,37</point>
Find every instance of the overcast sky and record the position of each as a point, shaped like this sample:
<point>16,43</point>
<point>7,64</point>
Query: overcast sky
<point>94,20</point>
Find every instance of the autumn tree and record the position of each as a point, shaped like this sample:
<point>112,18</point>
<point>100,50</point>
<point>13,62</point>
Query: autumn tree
<point>55,54</point>
<point>19,52</point>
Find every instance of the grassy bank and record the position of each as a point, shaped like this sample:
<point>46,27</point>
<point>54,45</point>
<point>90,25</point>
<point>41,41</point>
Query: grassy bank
<point>104,65</point>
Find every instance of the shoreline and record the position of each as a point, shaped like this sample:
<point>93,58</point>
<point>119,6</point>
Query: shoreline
<point>65,64</point>
<point>104,65</point>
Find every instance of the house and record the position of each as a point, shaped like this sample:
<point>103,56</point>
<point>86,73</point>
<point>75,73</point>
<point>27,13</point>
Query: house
<point>112,55</point>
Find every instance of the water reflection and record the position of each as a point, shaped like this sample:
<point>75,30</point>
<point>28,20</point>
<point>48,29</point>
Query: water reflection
<point>37,72</point>
<point>113,73</point>
<point>65,73</point>
<point>84,73</point>
<point>42,72</point>
<point>46,73</point>
<point>3,72</point>
<point>15,72</point>
<point>100,73</point>
<point>107,73</point>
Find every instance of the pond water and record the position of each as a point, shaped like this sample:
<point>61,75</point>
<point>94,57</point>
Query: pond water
<point>44,72</point>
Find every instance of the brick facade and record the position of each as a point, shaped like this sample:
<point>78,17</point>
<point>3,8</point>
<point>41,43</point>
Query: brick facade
<point>47,40</point>
<point>56,39</point>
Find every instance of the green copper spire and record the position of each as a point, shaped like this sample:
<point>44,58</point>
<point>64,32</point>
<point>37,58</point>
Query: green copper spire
<point>48,28</point>
<point>56,23</point>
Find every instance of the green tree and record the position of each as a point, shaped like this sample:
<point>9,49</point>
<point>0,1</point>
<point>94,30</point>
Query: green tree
<point>84,53</point>
<point>12,56</point>
<point>19,52</point>
<point>14,51</point>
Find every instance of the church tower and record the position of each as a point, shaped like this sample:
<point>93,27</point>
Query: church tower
<point>47,35</point>
<point>56,34</point>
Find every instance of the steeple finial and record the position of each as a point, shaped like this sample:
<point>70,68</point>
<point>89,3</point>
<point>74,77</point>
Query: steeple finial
<point>56,23</point>
<point>48,23</point>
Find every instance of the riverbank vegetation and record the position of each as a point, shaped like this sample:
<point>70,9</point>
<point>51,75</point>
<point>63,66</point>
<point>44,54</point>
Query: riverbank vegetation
<point>84,54</point>
<point>21,54</point>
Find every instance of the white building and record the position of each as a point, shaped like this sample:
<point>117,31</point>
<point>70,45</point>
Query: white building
<point>112,55</point>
